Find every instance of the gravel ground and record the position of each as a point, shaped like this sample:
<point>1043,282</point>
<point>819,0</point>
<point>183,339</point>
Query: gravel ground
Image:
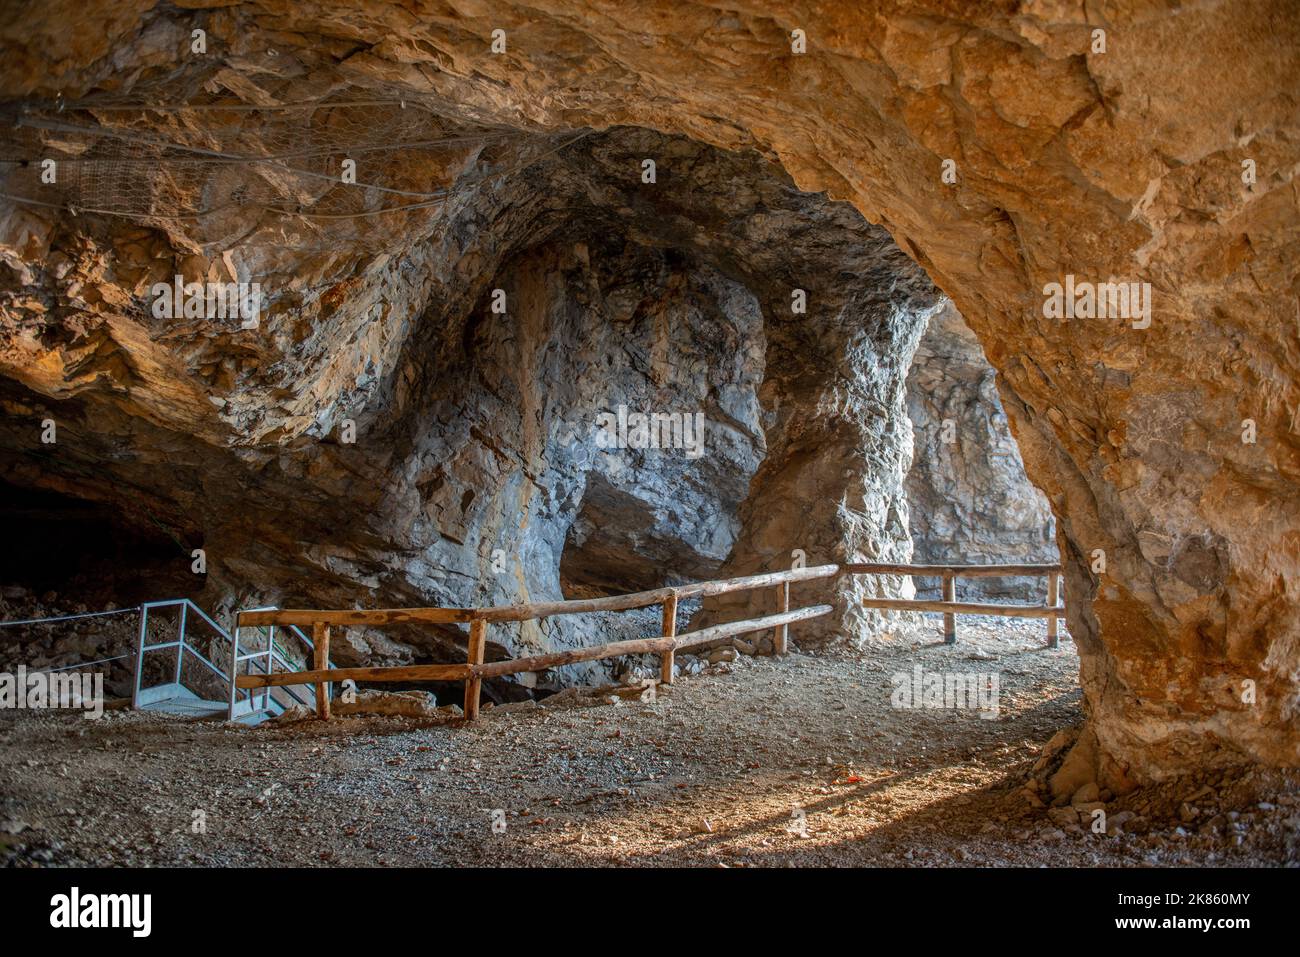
<point>799,761</point>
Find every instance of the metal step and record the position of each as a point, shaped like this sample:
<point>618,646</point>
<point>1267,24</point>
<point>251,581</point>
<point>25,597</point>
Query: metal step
<point>252,719</point>
<point>248,708</point>
<point>249,714</point>
<point>177,699</point>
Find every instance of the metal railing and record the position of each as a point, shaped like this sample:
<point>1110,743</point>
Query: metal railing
<point>263,660</point>
<point>187,613</point>
<point>187,608</point>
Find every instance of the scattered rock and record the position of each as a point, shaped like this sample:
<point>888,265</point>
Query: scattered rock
<point>411,704</point>
<point>1063,816</point>
<point>1088,794</point>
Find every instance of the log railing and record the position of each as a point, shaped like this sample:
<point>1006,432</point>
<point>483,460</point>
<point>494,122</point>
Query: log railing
<point>1052,610</point>
<point>476,669</point>
<point>665,645</point>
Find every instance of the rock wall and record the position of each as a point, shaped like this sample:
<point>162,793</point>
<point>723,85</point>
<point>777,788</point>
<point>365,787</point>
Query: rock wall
<point>1004,148</point>
<point>474,370</point>
<point>969,499</point>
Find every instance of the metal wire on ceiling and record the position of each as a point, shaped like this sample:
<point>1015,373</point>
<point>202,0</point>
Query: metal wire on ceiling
<point>163,164</point>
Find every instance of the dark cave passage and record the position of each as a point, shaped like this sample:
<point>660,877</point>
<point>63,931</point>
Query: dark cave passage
<point>87,553</point>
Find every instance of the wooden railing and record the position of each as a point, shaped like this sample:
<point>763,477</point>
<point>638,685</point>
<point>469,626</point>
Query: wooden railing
<point>1052,610</point>
<point>665,645</point>
<point>475,669</point>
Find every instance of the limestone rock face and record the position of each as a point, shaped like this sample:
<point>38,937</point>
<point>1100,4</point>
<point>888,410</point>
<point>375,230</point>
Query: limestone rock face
<point>1161,150</point>
<point>969,499</point>
<point>436,429</point>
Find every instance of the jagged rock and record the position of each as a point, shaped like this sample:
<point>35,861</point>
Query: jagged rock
<point>410,704</point>
<point>1124,163</point>
<point>1088,794</point>
<point>1085,810</point>
<point>1052,754</point>
<point>479,469</point>
<point>293,714</point>
<point>514,706</point>
<point>1064,816</point>
<point>1077,772</point>
<point>1115,823</point>
<point>566,698</point>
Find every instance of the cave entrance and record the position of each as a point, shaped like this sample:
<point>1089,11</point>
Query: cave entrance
<point>969,499</point>
<point>970,502</point>
<point>71,552</point>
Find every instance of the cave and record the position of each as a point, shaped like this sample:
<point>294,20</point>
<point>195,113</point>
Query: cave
<point>422,306</point>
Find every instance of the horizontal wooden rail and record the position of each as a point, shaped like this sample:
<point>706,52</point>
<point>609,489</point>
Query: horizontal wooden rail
<point>495,669</point>
<point>656,597</point>
<point>951,608</point>
<point>376,616</point>
<point>398,673</point>
<point>498,613</point>
<point>957,571</point>
<point>644,646</point>
<point>965,607</point>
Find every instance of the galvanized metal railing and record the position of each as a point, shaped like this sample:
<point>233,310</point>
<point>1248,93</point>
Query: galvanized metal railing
<point>264,661</point>
<point>186,608</point>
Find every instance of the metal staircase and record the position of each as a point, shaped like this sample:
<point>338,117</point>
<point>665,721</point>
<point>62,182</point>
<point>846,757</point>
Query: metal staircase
<point>204,689</point>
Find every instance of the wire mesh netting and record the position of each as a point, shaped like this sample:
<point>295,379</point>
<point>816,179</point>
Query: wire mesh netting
<point>168,165</point>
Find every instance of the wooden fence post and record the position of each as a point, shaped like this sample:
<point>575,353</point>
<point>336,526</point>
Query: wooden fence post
<point>669,631</point>
<point>320,639</point>
<point>780,631</point>
<point>474,684</point>
<point>949,619</point>
<point>1053,598</point>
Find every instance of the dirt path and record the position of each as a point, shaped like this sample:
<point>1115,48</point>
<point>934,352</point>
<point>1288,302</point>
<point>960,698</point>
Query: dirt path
<point>798,761</point>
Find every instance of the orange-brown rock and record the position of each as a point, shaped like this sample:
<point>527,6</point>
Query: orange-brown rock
<point>1124,161</point>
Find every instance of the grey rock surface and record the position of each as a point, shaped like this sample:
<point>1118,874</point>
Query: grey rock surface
<point>970,500</point>
<point>426,425</point>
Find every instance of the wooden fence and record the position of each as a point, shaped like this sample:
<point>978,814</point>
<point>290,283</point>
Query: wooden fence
<point>475,669</point>
<point>1052,610</point>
